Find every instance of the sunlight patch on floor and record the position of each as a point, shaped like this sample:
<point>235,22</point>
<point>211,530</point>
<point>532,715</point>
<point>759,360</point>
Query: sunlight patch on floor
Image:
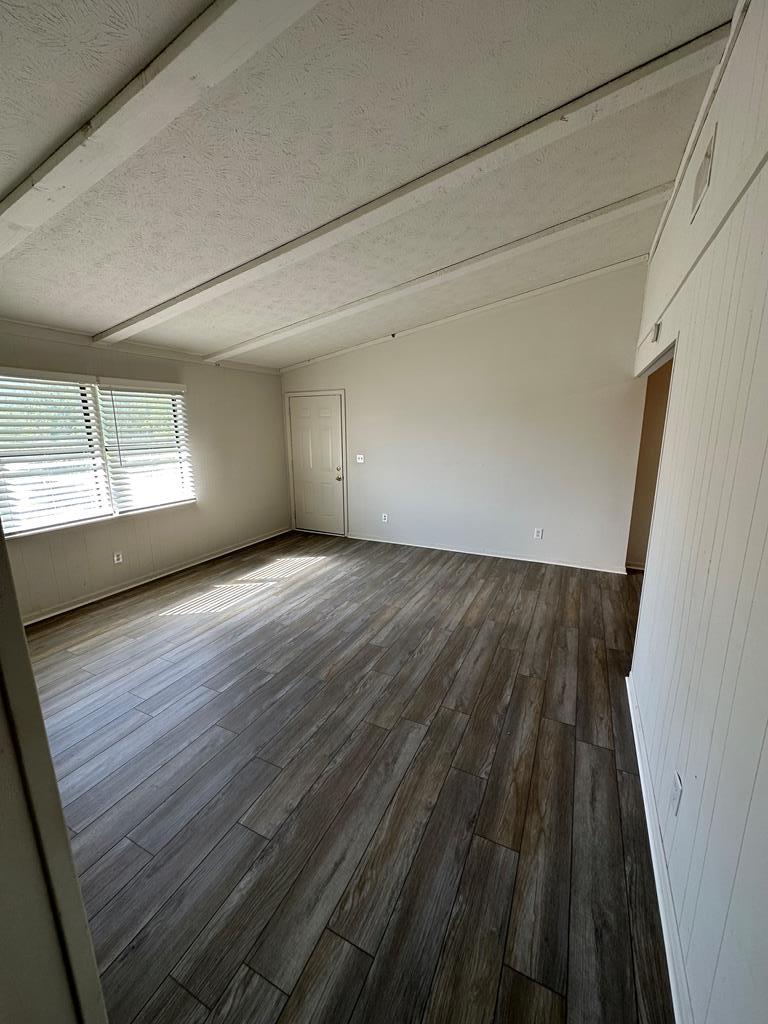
<point>218,599</point>
<point>282,568</point>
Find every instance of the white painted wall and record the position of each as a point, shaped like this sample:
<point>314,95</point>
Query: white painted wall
<point>699,679</point>
<point>28,935</point>
<point>238,453</point>
<point>477,429</point>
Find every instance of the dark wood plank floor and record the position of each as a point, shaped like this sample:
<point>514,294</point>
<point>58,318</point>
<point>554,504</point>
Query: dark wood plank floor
<point>331,780</point>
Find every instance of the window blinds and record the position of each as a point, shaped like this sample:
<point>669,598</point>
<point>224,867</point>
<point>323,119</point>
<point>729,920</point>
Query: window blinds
<point>146,447</point>
<point>51,464</point>
<point>74,450</point>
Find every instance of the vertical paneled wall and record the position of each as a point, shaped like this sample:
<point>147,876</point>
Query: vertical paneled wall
<point>700,672</point>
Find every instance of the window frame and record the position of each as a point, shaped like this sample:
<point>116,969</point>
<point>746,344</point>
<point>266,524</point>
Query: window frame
<point>106,383</point>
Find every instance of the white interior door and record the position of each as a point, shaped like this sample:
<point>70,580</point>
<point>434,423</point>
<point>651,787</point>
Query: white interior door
<point>318,465</point>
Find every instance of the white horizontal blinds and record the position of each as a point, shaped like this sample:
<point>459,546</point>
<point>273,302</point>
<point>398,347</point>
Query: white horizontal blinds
<point>146,446</point>
<point>51,462</point>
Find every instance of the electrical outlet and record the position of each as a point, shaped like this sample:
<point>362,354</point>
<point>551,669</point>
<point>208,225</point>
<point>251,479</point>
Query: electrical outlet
<point>385,517</point>
<point>677,793</point>
<point>117,557</point>
<point>538,533</point>
<point>360,458</point>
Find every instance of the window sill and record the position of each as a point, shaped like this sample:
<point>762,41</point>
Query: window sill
<point>99,519</point>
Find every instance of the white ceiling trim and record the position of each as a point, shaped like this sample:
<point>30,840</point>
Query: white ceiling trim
<point>223,37</point>
<point>532,293</point>
<point>677,66</point>
<point>605,214</point>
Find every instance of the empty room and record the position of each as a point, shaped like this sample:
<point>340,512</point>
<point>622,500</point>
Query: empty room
<point>384,512</point>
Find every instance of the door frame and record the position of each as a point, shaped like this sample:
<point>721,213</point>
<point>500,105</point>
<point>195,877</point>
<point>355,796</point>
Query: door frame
<point>317,393</point>
<point>19,695</point>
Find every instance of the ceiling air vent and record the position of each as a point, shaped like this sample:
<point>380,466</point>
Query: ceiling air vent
<point>703,175</point>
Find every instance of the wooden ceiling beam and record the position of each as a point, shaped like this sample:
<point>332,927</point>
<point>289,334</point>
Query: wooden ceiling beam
<point>667,71</point>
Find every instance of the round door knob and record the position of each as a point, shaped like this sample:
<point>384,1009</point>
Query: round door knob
<point>339,477</point>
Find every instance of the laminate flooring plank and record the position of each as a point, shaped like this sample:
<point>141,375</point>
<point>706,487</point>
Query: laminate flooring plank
<point>171,1004</point>
<point>160,737</point>
<point>110,873</point>
<point>339,660</point>
<point>467,977</point>
<point>537,943</point>
<point>114,823</point>
<point>482,603</point>
<point>517,625</point>
<point>563,675</point>
<point>569,614</point>
<point>395,698</point>
<point>170,816</point>
<point>114,786</point>
<point>168,695</point>
<point>277,803</point>
<point>368,901</point>
<point>618,666</point>
<point>535,573</point>
<point>458,598</point>
<point>470,677</point>
<point>478,745</point>
<point>593,703</point>
<point>432,691</point>
<point>654,997</point>
<point>296,690</point>
<point>615,619</point>
<point>288,940</point>
<point>512,602</point>
<point>81,753</point>
<point>248,999</point>
<point>297,732</point>
<point>329,985</point>
<point>506,796</point>
<point>63,737</point>
<point>397,651</point>
<point>214,956</point>
<point>538,646</point>
<point>143,966</point>
<point>124,916</point>
<point>397,986</point>
<point>590,606</point>
<point>633,591</point>
<point>601,984</point>
<point>523,1001</point>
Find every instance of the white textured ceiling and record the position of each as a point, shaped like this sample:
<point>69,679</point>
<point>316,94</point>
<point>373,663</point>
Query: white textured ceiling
<point>354,100</point>
<point>61,60</point>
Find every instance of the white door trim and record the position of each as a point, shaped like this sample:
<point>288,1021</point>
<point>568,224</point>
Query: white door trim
<point>342,395</point>
<point>18,694</point>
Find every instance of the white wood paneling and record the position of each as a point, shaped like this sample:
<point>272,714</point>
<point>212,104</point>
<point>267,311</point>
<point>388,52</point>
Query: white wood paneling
<point>739,113</point>
<point>699,670</point>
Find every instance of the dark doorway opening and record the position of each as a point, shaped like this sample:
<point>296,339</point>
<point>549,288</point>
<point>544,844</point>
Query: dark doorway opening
<point>654,415</point>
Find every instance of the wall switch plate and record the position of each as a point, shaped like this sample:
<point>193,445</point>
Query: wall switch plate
<point>360,458</point>
<point>385,517</point>
<point>117,557</point>
<point>538,533</point>
<point>677,793</point>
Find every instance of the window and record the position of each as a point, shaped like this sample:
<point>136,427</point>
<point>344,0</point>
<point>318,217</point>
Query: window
<point>146,447</point>
<point>72,450</point>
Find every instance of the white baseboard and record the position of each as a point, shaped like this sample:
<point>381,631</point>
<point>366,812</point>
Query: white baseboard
<point>99,595</point>
<point>675,959</point>
<point>622,571</point>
